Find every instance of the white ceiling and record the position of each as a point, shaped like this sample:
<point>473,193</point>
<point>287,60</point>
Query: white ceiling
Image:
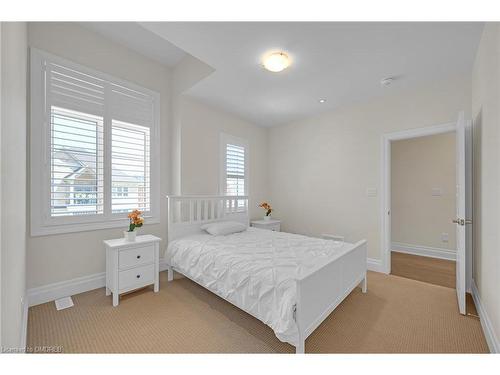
<point>135,37</point>
<point>341,62</point>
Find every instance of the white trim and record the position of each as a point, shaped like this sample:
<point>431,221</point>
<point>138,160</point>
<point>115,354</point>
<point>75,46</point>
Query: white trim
<point>425,251</point>
<point>385,197</point>
<point>468,206</point>
<point>24,323</point>
<point>489,333</point>
<point>82,227</point>
<point>51,292</point>
<point>374,265</point>
<point>163,264</point>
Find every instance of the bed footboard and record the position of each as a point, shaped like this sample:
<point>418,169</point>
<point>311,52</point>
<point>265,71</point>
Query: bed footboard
<point>321,291</point>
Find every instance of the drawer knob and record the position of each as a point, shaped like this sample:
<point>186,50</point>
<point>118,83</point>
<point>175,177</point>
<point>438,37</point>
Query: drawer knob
<point>138,276</point>
<point>138,257</point>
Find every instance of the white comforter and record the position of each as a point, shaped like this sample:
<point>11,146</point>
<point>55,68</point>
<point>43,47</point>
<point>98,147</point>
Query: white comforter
<point>255,270</point>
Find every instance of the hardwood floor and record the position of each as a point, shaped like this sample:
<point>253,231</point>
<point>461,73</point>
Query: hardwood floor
<point>430,270</point>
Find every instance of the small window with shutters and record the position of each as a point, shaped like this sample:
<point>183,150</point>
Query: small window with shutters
<point>235,169</point>
<point>93,141</point>
<point>234,166</point>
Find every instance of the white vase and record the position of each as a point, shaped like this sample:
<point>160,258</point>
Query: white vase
<point>129,236</point>
<point>267,217</point>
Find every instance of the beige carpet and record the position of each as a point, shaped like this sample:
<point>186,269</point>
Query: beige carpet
<point>396,315</point>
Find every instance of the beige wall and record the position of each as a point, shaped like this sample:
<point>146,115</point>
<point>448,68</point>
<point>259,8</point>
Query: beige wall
<point>13,181</point>
<point>419,165</point>
<point>321,167</point>
<point>192,145</point>
<point>200,156</point>
<point>187,73</point>
<point>486,162</point>
<point>63,257</point>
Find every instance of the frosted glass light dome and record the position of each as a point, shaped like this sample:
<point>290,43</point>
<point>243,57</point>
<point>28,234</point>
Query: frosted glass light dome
<point>276,62</point>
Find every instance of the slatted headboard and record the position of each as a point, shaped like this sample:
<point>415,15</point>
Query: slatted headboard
<point>187,213</point>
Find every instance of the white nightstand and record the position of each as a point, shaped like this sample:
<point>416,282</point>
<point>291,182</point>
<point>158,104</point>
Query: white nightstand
<point>132,265</point>
<point>274,225</point>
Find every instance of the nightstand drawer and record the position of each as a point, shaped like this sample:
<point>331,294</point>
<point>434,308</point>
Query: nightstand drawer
<point>136,277</point>
<point>136,256</point>
<point>275,227</point>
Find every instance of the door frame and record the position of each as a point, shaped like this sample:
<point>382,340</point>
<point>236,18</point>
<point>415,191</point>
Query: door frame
<point>385,197</point>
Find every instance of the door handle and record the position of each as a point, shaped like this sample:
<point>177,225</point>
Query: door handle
<point>462,221</point>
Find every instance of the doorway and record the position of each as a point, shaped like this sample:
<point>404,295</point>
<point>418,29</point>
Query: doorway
<point>463,204</point>
<point>423,201</point>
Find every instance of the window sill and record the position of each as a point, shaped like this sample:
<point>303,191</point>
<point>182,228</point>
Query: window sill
<point>85,227</point>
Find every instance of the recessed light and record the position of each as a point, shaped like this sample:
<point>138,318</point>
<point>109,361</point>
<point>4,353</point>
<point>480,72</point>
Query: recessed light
<point>276,62</point>
<point>322,101</point>
<point>386,81</point>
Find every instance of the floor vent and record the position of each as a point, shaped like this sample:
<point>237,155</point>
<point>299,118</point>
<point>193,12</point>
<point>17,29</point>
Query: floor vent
<point>64,303</point>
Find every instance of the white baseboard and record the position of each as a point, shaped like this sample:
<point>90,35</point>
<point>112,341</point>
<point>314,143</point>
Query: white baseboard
<point>24,322</point>
<point>163,265</point>
<point>489,333</point>
<point>374,265</point>
<point>51,292</point>
<point>426,251</point>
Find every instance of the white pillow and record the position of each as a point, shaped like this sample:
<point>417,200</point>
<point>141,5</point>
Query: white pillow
<point>223,228</point>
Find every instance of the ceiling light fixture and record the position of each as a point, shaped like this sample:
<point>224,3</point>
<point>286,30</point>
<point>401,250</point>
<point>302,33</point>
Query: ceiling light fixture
<point>386,82</point>
<point>322,101</point>
<point>276,62</point>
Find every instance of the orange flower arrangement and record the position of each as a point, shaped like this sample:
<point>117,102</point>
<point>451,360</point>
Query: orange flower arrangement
<point>266,206</point>
<point>136,220</point>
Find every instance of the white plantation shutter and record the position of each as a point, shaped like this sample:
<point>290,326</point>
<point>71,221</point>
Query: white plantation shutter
<point>131,106</point>
<point>72,89</point>
<point>235,169</point>
<point>130,167</point>
<point>76,163</point>
<point>93,141</point>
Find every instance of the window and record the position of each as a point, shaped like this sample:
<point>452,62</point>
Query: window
<point>235,169</point>
<point>120,191</point>
<point>130,167</point>
<point>234,166</point>
<point>85,196</point>
<point>93,141</point>
<point>76,155</point>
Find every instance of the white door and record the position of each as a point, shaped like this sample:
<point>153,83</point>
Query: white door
<point>460,219</point>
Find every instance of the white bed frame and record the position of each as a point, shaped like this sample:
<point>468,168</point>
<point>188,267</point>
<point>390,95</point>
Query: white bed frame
<point>318,293</point>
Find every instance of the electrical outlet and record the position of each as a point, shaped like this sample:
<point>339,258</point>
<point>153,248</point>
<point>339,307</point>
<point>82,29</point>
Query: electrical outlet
<point>437,192</point>
<point>371,192</point>
<point>444,237</point>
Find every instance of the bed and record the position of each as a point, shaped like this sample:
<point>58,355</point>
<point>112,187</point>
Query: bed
<point>289,282</point>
